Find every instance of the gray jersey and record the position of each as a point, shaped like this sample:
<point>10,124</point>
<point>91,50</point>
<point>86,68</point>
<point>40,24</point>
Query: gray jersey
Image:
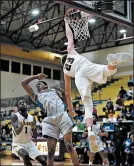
<point>50,102</point>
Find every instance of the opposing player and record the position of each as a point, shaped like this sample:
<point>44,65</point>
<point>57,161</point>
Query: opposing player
<point>22,126</point>
<point>85,73</point>
<point>99,132</point>
<point>57,119</point>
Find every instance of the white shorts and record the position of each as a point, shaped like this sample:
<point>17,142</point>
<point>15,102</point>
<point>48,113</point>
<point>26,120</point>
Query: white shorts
<point>54,125</point>
<point>89,73</point>
<point>29,147</point>
<point>99,142</point>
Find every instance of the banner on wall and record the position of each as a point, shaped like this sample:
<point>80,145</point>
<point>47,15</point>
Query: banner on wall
<point>42,146</point>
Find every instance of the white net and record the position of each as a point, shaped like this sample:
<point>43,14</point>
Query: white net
<point>78,20</point>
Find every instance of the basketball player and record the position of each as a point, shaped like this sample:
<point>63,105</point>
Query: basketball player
<point>85,73</point>
<point>22,126</point>
<point>99,131</point>
<point>57,119</point>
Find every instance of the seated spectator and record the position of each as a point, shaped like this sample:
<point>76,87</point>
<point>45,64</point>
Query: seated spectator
<point>79,125</point>
<point>109,105</point>
<point>108,125</point>
<point>122,93</point>
<point>83,147</point>
<point>130,94</point>
<point>131,81</point>
<point>119,117</point>
<point>129,116</point>
<point>79,113</point>
<point>112,118</point>
<point>118,104</point>
<point>124,111</point>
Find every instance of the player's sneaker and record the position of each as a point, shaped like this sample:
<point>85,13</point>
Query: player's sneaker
<point>92,140</point>
<point>122,57</point>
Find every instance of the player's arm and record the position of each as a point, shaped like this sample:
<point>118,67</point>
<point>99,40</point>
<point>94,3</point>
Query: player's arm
<point>68,93</point>
<point>103,133</point>
<point>69,34</point>
<point>14,122</point>
<point>34,128</point>
<point>27,80</point>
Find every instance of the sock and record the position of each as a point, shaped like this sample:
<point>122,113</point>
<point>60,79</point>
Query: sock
<point>90,163</point>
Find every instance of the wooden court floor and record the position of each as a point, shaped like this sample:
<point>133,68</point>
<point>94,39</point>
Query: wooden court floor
<point>9,161</point>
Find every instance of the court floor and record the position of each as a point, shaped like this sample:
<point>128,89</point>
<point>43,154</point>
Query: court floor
<point>9,161</point>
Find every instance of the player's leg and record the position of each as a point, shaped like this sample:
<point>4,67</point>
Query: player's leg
<point>84,86</point>
<point>70,148</point>
<point>41,160</point>
<point>103,156</point>
<point>51,144</point>
<point>23,154</point>
<point>91,158</point>
<point>65,125</point>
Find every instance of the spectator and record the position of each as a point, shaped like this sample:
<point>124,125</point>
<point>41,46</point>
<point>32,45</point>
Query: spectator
<point>131,155</point>
<point>122,93</point>
<point>83,147</point>
<point>80,126</point>
<point>131,81</point>
<point>94,110</point>
<point>112,118</point>
<point>109,105</point>
<point>108,125</point>
<point>120,137</point>
<point>79,113</point>
<point>118,104</point>
<point>129,116</point>
<point>124,111</point>
<point>130,94</point>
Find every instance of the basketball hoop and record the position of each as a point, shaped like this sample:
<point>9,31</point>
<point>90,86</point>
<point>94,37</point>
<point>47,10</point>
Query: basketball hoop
<point>78,20</point>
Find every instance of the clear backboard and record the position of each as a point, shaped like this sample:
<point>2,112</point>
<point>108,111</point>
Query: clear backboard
<point>122,12</point>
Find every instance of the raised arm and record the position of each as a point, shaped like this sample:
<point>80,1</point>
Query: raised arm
<point>69,34</point>
<point>14,122</point>
<point>68,94</point>
<point>27,80</point>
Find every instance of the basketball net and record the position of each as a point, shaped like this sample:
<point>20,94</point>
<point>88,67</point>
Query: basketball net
<point>78,20</point>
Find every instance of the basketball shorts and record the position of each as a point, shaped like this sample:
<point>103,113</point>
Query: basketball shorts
<point>54,125</point>
<point>99,142</point>
<point>89,73</point>
<point>29,147</point>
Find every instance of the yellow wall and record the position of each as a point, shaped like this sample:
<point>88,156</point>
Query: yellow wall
<point>38,55</point>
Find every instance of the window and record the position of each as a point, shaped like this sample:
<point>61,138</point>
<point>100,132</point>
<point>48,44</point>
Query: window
<point>15,67</point>
<point>56,74</point>
<point>4,65</point>
<point>47,71</point>
<point>26,69</point>
<point>36,70</point>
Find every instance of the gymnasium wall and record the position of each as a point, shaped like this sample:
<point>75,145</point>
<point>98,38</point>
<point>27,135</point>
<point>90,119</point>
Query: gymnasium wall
<point>11,82</point>
<point>100,57</point>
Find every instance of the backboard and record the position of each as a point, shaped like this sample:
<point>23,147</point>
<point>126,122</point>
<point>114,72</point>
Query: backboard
<point>122,12</point>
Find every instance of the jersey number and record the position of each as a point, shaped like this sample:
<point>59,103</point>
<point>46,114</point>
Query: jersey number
<point>68,64</point>
<point>25,130</point>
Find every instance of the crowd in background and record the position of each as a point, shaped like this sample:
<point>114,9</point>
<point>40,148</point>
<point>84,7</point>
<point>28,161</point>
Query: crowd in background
<point>119,145</point>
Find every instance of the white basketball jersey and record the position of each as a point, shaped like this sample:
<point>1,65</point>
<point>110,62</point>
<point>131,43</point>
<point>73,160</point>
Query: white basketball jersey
<point>96,129</point>
<point>25,134</point>
<point>73,64</point>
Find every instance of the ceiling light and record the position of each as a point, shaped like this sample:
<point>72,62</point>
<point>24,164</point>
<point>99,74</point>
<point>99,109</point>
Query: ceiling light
<point>35,12</point>
<point>123,31</point>
<point>92,20</point>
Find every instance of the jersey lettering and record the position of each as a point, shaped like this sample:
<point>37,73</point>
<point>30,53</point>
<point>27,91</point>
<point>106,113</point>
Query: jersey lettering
<point>69,63</point>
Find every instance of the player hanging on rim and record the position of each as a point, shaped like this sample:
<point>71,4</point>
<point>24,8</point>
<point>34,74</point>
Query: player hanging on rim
<point>22,126</point>
<point>85,73</point>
